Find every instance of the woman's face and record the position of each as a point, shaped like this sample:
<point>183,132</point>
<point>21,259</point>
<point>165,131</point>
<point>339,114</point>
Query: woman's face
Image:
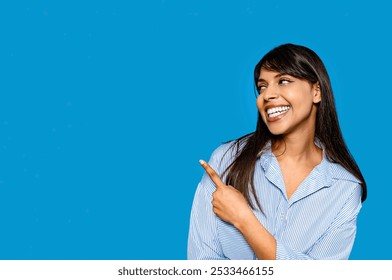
<point>287,104</point>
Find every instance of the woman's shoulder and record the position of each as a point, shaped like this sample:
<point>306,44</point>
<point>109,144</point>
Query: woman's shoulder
<point>340,181</point>
<point>225,154</point>
<point>223,149</point>
<point>232,147</point>
<point>338,172</point>
<point>334,170</point>
<point>341,178</point>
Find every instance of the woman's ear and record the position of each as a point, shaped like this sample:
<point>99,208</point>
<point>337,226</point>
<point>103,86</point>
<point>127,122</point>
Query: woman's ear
<point>316,93</point>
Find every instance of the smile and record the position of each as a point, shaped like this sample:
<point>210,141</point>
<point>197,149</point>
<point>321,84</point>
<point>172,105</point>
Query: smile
<point>274,112</point>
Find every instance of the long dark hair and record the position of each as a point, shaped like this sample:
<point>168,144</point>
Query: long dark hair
<point>303,63</point>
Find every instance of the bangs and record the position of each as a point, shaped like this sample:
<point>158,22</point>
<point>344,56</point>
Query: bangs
<point>285,61</point>
<point>281,66</point>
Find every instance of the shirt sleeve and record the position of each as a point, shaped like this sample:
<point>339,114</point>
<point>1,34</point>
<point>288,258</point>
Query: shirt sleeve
<point>203,241</point>
<point>338,240</point>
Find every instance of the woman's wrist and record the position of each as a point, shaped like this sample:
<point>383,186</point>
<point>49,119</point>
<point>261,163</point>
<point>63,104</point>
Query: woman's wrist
<point>245,220</point>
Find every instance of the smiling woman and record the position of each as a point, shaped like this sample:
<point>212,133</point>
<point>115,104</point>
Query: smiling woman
<point>289,190</point>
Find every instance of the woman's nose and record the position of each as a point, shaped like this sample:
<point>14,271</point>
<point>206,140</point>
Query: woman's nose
<point>271,93</point>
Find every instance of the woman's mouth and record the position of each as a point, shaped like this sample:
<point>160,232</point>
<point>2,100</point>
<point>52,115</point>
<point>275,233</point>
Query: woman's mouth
<point>276,112</point>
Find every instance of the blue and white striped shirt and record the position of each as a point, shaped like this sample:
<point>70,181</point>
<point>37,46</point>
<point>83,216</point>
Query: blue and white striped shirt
<point>317,222</point>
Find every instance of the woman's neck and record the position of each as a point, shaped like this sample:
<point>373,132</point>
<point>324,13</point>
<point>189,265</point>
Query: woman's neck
<point>297,149</point>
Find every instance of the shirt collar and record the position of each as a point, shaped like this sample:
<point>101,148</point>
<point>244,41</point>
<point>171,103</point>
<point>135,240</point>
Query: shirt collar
<point>323,175</point>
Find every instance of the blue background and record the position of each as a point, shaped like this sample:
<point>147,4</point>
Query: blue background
<point>107,106</point>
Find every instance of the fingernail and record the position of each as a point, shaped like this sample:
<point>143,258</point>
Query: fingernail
<point>202,162</point>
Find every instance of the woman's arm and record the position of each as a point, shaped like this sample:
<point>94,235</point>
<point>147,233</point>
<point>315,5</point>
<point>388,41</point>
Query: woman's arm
<point>203,242</point>
<point>230,205</point>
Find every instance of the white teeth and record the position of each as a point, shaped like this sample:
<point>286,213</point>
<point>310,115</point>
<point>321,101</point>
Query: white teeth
<point>276,111</point>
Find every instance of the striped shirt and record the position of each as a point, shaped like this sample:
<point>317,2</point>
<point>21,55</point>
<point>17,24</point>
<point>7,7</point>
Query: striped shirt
<point>317,222</point>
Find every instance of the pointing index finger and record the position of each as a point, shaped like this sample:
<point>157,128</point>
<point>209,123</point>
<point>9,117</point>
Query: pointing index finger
<point>213,175</point>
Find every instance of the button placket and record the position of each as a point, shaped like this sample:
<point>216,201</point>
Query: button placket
<point>282,218</point>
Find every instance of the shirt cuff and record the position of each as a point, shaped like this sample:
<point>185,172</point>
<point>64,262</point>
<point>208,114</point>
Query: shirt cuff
<point>285,253</point>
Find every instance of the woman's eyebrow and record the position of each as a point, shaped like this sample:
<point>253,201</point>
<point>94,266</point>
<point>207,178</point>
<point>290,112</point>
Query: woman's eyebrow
<point>275,77</point>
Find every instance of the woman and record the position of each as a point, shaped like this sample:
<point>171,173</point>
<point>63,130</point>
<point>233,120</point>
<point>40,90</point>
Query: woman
<point>291,189</point>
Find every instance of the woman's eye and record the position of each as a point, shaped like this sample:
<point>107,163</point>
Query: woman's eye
<point>261,87</point>
<point>284,81</point>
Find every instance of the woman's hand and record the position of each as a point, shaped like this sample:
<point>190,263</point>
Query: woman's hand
<point>228,203</point>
